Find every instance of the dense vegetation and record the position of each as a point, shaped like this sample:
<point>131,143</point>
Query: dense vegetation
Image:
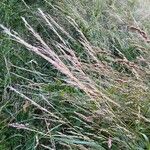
<point>74,75</point>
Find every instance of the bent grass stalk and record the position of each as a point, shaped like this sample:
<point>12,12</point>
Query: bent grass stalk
<point>48,54</point>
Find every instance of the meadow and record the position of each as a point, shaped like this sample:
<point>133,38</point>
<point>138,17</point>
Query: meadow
<point>74,75</point>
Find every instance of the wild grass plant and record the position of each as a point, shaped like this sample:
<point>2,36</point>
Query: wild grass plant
<point>84,81</point>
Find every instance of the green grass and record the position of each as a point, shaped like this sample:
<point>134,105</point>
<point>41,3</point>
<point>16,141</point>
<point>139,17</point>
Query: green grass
<point>95,96</point>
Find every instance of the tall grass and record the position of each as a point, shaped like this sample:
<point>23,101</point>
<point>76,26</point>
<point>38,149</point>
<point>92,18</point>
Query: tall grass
<point>94,91</point>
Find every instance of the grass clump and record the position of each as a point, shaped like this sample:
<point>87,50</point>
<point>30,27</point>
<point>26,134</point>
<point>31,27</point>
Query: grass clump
<point>84,81</point>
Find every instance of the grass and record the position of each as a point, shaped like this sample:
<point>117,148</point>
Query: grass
<point>74,75</point>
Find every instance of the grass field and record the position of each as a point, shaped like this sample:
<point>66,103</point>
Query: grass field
<point>74,75</point>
